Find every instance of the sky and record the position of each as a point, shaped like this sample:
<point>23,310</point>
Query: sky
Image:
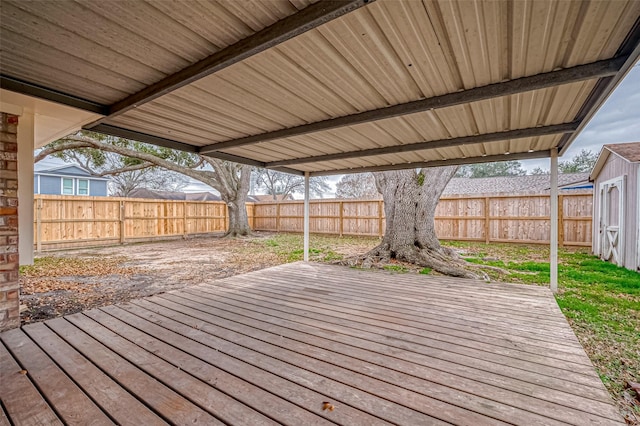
<point>617,121</point>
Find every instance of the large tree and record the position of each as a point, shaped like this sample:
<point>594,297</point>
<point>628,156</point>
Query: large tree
<point>500,168</point>
<point>157,179</point>
<point>231,180</point>
<point>282,185</point>
<point>357,185</point>
<point>410,201</point>
<point>580,163</point>
<point>123,183</point>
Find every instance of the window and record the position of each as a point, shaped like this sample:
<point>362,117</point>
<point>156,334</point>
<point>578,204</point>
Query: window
<point>83,187</point>
<point>67,186</point>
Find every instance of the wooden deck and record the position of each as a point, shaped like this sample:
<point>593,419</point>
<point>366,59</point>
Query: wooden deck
<point>272,346</point>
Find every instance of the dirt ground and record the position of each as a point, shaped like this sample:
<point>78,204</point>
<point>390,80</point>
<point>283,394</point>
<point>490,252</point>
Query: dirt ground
<point>66,282</point>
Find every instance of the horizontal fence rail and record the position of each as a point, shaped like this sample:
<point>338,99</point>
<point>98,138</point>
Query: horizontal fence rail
<point>69,222</point>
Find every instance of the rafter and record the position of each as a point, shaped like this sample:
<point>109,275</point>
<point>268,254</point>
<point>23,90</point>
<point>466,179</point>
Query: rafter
<point>441,143</point>
<point>438,163</point>
<point>173,144</point>
<point>511,87</point>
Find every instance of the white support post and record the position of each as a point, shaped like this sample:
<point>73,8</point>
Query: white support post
<point>554,221</point>
<point>306,216</point>
<point>26,138</point>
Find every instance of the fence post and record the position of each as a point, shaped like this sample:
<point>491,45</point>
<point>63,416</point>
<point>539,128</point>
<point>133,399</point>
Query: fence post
<point>185,231</point>
<point>122,237</point>
<point>560,220</point>
<point>39,225</point>
<point>277,216</point>
<point>226,217</point>
<point>487,220</point>
<point>341,217</point>
<point>380,218</point>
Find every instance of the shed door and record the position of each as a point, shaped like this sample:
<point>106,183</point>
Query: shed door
<point>612,220</point>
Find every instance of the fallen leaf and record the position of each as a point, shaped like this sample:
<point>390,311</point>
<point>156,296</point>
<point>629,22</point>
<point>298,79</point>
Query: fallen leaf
<point>326,405</point>
<point>23,372</point>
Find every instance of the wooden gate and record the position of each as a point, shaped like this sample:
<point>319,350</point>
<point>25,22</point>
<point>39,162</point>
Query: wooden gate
<point>612,229</point>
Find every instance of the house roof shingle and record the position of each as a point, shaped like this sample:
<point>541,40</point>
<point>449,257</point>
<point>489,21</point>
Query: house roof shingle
<point>628,151</point>
<point>510,184</point>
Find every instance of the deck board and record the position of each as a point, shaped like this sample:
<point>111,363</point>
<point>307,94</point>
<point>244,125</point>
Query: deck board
<point>363,308</point>
<point>269,347</point>
<point>72,405</point>
<point>108,394</point>
<point>381,355</point>
<point>20,398</point>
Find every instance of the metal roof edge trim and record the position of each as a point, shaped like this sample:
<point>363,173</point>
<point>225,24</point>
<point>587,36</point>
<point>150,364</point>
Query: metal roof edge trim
<point>30,89</point>
<point>439,163</point>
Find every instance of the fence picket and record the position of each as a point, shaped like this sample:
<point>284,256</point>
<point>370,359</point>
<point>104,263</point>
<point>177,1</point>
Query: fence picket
<point>91,221</point>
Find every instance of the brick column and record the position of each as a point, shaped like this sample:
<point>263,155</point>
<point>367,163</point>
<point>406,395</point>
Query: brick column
<point>9,285</point>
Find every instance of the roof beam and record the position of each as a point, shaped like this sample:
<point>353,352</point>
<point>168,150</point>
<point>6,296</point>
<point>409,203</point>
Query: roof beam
<point>438,163</point>
<point>306,19</point>
<point>535,82</point>
<point>30,89</point>
<point>441,143</point>
<point>170,143</point>
<point>120,132</point>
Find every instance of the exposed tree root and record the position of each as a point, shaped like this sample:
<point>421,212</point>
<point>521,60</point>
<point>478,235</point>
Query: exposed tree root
<point>445,261</point>
<point>237,234</point>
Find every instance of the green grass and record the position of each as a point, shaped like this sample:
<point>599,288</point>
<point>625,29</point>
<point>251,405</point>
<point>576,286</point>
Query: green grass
<point>600,300</point>
<point>321,248</point>
<point>400,269</point>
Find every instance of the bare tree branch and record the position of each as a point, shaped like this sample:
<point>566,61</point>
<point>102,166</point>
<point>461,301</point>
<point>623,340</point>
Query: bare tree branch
<point>136,167</point>
<point>53,149</point>
<point>230,179</point>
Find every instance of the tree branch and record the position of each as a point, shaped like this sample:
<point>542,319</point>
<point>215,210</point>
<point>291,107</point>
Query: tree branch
<point>53,149</point>
<point>133,168</point>
<point>80,141</point>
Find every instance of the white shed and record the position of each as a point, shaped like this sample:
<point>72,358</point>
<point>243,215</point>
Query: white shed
<point>616,205</point>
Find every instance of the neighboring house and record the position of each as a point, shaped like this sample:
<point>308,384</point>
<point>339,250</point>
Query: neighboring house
<point>616,205</point>
<point>169,195</point>
<point>533,184</point>
<point>69,180</point>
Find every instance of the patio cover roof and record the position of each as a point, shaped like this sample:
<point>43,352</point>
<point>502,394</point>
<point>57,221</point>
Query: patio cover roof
<point>328,87</point>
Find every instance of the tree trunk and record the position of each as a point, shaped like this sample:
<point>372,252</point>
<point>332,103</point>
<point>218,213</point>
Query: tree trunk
<point>238,218</point>
<point>236,198</point>
<point>230,179</point>
<point>410,201</point>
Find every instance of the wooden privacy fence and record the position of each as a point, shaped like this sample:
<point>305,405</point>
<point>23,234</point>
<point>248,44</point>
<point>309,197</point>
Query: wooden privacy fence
<point>519,218</point>
<point>68,222</point>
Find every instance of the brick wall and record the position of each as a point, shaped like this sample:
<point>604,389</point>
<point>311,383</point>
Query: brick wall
<point>9,285</point>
